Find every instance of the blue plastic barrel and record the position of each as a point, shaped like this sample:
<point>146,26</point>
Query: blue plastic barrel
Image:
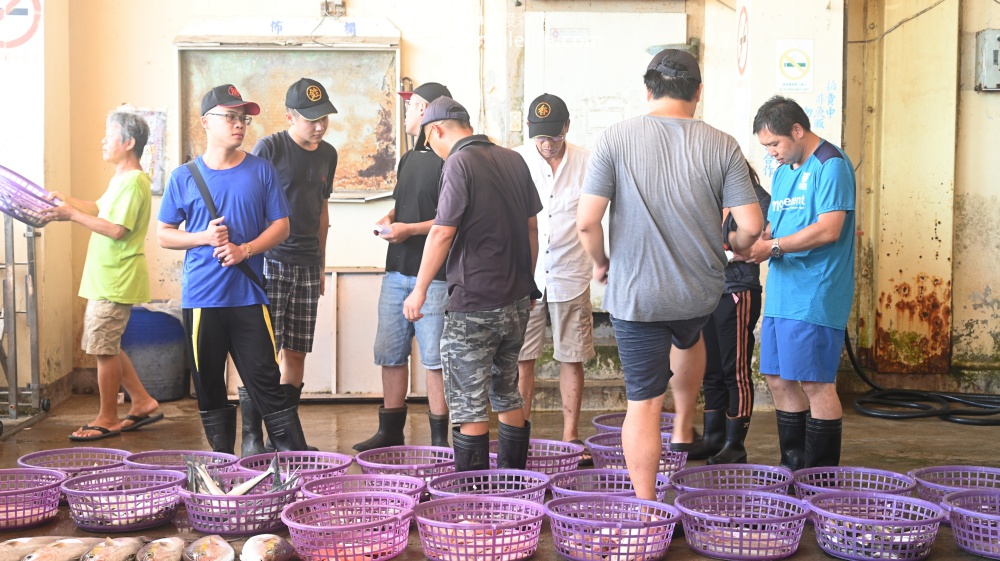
<point>154,342</point>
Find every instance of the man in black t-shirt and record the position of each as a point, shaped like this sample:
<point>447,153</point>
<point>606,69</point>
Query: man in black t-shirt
<point>405,228</point>
<point>294,269</point>
<point>487,229</point>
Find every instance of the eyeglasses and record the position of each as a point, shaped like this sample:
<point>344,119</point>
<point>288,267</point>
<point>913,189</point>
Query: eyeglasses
<point>543,138</point>
<point>233,117</point>
<point>413,104</point>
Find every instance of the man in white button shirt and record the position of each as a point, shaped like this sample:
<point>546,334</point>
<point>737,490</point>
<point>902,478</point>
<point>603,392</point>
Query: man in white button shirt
<point>564,269</point>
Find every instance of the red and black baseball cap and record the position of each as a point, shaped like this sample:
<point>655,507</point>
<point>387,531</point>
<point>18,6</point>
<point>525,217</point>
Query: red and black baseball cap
<point>547,115</point>
<point>429,91</point>
<point>227,95</point>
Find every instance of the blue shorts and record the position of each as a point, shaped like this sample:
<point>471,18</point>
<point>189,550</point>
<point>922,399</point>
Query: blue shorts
<point>799,350</point>
<point>394,339</point>
<point>644,349</point>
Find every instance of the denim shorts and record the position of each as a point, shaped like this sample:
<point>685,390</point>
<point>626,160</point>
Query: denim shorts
<point>644,349</point>
<point>799,350</point>
<point>394,339</point>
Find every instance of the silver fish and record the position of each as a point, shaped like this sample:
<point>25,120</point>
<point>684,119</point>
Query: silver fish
<point>66,549</point>
<point>118,549</point>
<point>267,547</point>
<point>166,549</point>
<point>14,550</point>
<point>209,548</point>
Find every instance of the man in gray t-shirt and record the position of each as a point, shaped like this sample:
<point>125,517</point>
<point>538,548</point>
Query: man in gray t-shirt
<point>667,178</point>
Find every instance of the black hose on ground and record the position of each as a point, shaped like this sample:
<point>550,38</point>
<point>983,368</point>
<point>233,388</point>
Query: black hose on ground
<point>916,404</point>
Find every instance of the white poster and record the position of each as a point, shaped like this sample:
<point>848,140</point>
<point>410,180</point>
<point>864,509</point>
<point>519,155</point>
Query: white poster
<point>794,69</point>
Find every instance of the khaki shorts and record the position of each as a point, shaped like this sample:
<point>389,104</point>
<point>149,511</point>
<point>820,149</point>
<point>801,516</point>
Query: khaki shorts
<point>572,329</point>
<point>103,325</point>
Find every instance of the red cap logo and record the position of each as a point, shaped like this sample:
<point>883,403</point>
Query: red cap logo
<point>234,92</point>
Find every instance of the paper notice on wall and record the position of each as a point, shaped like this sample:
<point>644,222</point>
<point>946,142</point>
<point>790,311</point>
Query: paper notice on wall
<point>794,68</point>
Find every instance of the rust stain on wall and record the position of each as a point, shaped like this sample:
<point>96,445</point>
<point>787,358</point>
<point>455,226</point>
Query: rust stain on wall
<point>913,327</point>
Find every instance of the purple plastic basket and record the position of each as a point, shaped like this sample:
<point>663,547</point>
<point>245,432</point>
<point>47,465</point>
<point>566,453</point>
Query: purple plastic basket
<point>606,449</point>
<point>975,520</point>
<point>425,462</point>
<point>546,456</point>
<point>609,482</point>
<point>515,483</point>
<point>595,528</point>
<point>812,481</point>
<point>933,483</point>
<point>76,461</point>
<point>737,477</point>
<point>349,526</point>
<point>413,487</point>
<point>28,496</point>
<point>257,512</point>
<point>310,465</point>
<point>22,199</point>
<point>862,526</point>
<point>474,528</point>
<point>744,525</point>
<point>174,460</point>
<point>612,422</point>
<point>123,501</point>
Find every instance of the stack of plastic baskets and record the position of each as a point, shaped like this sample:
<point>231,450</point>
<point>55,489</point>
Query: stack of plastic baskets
<point>739,524</point>
<point>424,462</point>
<point>612,422</point>
<point>546,456</point>
<point>602,527</point>
<point>76,461</point>
<point>515,483</point>
<point>349,526</point>
<point>812,481</point>
<point>175,460</point>
<point>256,512</point>
<point>308,465</point>
<point>28,496</point>
<point>975,520</point>
<point>125,500</point>
<point>607,482</point>
<point>933,483</point>
<point>862,526</point>
<point>606,449</point>
<point>473,528</point>
<point>413,487</point>
<point>742,477</point>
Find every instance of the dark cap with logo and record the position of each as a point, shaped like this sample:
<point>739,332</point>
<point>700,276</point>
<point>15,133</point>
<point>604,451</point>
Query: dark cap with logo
<point>675,63</point>
<point>227,95</point>
<point>547,115</point>
<point>309,98</point>
<point>444,108</point>
<point>429,91</point>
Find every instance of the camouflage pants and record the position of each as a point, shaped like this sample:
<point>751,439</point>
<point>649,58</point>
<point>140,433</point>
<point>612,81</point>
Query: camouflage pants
<point>479,353</point>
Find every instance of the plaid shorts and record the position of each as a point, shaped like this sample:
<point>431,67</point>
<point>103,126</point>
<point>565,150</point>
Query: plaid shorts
<point>294,294</point>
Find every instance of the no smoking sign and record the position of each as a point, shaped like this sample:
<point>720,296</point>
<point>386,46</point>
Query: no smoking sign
<point>19,21</point>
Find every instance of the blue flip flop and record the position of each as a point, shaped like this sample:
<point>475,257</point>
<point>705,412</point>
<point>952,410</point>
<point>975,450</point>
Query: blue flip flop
<point>138,421</point>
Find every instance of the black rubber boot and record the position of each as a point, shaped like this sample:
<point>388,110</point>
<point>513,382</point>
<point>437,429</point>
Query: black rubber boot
<point>285,430</point>
<point>439,429</point>
<point>292,397</point>
<point>220,428</point>
<point>471,452</point>
<point>733,451</point>
<point>823,438</point>
<point>390,429</point>
<point>715,431</point>
<point>513,446</point>
<point>792,438</point>
<point>253,435</point>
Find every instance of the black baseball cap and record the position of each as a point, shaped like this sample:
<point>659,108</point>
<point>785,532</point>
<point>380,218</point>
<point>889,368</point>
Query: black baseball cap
<point>309,98</point>
<point>675,63</point>
<point>227,95</point>
<point>444,108</point>
<point>547,115</point>
<point>429,91</point>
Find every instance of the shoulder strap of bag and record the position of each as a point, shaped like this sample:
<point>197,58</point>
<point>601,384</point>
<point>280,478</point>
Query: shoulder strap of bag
<point>213,212</point>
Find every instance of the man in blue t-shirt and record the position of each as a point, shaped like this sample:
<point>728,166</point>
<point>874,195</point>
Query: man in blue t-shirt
<point>224,303</point>
<point>810,282</point>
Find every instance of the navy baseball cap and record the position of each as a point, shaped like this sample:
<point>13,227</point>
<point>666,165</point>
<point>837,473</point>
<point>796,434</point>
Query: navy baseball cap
<point>443,109</point>
<point>309,98</point>
<point>547,115</point>
<point>675,63</point>
<point>227,95</point>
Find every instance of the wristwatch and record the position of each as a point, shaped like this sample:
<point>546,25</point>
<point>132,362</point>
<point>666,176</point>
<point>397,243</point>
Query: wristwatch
<point>776,251</point>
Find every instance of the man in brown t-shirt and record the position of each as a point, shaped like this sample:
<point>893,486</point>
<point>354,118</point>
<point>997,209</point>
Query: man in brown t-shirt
<point>486,227</point>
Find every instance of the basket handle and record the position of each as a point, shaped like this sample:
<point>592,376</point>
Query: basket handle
<point>947,507</point>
